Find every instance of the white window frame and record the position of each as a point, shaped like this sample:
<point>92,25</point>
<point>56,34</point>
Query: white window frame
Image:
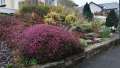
<point>2,2</point>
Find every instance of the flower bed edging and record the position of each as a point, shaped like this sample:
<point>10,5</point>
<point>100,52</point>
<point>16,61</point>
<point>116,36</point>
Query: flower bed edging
<point>99,47</point>
<point>95,49</point>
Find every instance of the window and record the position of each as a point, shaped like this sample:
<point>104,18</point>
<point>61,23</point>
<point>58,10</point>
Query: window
<point>2,2</point>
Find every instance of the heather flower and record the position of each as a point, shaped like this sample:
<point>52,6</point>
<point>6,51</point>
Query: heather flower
<point>48,43</point>
<point>10,27</point>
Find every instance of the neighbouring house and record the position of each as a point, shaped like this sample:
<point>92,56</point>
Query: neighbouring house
<point>102,9</point>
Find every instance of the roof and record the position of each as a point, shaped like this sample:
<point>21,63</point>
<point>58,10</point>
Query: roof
<point>113,5</point>
<point>110,5</point>
<point>96,4</point>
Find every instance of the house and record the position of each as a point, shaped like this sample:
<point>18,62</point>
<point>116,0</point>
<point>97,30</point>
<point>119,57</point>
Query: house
<point>9,6</point>
<point>13,4</point>
<point>104,8</point>
<point>101,9</point>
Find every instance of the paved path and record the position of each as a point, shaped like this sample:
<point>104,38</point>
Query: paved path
<point>108,59</point>
<point>5,55</point>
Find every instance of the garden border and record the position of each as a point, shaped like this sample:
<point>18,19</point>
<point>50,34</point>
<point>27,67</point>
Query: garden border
<point>90,51</point>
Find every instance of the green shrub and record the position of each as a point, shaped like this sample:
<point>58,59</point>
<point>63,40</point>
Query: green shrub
<point>86,26</point>
<point>93,26</point>
<point>96,25</point>
<point>10,66</point>
<point>61,15</point>
<point>27,8</point>
<point>87,12</point>
<point>57,9</point>
<point>112,19</point>
<point>52,18</point>
<point>105,32</point>
<point>40,9</point>
<point>83,42</point>
<point>27,61</point>
<point>49,20</point>
<point>56,15</point>
<point>70,19</point>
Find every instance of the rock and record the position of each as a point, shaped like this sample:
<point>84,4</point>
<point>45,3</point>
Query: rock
<point>89,41</point>
<point>97,40</point>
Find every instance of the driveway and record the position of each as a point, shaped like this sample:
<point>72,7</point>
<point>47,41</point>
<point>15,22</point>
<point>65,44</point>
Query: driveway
<point>107,59</point>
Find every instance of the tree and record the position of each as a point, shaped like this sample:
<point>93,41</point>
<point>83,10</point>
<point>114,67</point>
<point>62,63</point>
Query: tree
<point>87,12</point>
<point>112,19</point>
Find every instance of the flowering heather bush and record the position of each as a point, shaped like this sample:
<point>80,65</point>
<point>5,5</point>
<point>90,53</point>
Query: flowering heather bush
<point>9,28</point>
<point>48,43</point>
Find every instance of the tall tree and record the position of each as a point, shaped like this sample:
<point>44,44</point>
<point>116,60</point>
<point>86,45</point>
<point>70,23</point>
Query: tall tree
<point>87,12</point>
<point>112,19</point>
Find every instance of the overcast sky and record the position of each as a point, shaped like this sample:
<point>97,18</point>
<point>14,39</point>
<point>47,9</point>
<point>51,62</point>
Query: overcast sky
<point>82,2</point>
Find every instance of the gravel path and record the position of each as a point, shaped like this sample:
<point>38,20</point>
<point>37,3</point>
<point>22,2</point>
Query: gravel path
<point>108,59</point>
<point>4,55</point>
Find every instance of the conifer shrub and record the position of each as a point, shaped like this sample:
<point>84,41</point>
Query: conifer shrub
<point>112,19</point>
<point>87,13</point>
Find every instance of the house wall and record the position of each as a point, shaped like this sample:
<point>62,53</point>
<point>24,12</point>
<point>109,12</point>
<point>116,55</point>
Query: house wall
<point>95,9</point>
<point>2,2</point>
<point>13,4</point>
<point>9,3</point>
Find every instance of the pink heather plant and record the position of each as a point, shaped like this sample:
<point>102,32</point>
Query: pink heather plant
<point>48,43</point>
<point>10,27</point>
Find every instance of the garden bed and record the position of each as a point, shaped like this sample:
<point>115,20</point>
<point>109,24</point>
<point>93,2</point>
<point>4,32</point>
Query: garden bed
<point>40,38</point>
<point>89,51</point>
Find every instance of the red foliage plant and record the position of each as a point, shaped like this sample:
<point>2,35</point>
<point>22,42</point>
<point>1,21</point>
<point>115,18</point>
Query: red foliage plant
<point>48,43</point>
<point>9,28</point>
